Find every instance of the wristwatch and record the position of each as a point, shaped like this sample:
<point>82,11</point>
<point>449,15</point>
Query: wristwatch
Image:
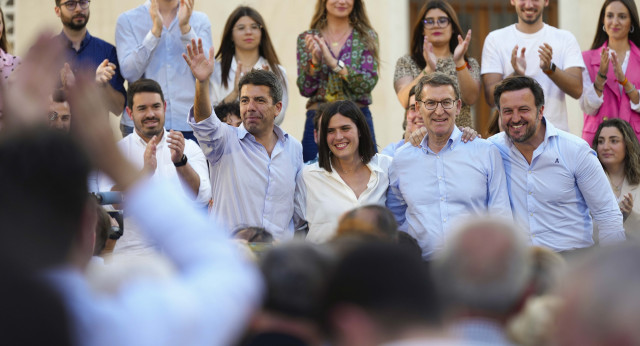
<point>338,67</point>
<point>182,162</point>
<point>552,69</point>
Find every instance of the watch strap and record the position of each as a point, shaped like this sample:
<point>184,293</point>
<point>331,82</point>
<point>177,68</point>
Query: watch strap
<point>182,162</point>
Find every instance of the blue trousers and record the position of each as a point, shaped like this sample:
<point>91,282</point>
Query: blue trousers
<point>309,146</point>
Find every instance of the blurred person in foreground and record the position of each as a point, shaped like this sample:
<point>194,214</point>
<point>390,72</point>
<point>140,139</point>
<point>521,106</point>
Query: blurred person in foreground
<point>214,292</point>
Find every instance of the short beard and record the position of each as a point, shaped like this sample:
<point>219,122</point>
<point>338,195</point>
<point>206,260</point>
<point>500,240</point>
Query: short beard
<point>76,27</point>
<point>533,21</point>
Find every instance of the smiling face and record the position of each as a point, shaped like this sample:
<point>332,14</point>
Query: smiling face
<point>529,11</point>
<point>75,20</point>
<point>414,119</point>
<point>343,137</point>
<point>339,8</point>
<point>246,34</point>
<point>520,117</point>
<point>617,21</point>
<point>147,113</point>
<point>611,148</point>
<point>437,33</point>
<point>439,121</point>
<point>257,109</point>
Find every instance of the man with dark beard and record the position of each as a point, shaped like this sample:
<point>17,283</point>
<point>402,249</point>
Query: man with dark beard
<point>87,52</point>
<point>556,183</point>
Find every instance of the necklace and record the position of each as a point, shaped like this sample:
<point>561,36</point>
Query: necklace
<point>617,187</point>
<point>333,41</point>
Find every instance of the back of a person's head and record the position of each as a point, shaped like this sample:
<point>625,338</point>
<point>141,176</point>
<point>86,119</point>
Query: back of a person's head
<point>295,275</point>
<point>601,303</point>
<point>547,267</point>
<point>389,284</point>
<point>43,179</point>
<point>373,220</point>
<point>484,268</point>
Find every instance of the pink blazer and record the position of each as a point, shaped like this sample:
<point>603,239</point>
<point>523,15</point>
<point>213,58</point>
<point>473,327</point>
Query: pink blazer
<point>616,104</point>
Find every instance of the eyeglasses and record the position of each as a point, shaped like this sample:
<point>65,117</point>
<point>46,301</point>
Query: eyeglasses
<point>433,104</point>
<point>441,22</point>
<point>71,5</point>
<point>253,27</point>
<point>53,115</point>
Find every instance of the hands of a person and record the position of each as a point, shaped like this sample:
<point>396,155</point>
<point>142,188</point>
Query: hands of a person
<point>67,77</point>
<point>626,205</point>
<point>461,49</point>
<point>266,67</point>
<point>468,134</point>
<point>200,65</point>
<point>150,158</point>
<point>105,71</point>
<point>617,68</point>
<point>519,63</point>
<point>184,14</point>
<point>327,57</point>
<point>417,136</point>
<point>156,18</point>
<point>313,49</point>
<point>429,56</point>
<point>545,52</point>
<point>176,144</point>
<point>239,74</point>
<point>604,61</point>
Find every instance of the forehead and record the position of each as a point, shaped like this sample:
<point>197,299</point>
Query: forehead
<point>252,90</point>
<point>517,98</point>
<point>610,131</point>
<point>146,97</point>
<point>617,7</point>
<point>245,20</point>
<point>438,92</point>
<point>62,108</point>
<point>435,13</point>
<point>338,120</point>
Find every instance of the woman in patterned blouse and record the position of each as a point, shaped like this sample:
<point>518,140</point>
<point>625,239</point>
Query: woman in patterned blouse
<point>437,45</point>
<point>337,60</point>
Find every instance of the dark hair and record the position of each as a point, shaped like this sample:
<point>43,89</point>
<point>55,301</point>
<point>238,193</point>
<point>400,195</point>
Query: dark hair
<point>59,96</point>
<point>103,226</point>
<point>227,49</point>
<point>57,3</point>
<point>295,276</point>
<point>350,110</point>
<point>601,35</point>
<point>514,83</point>
<point>384,222</point>
<point>386,281</point>
<point>225,108</point>
<point>412,92</point>
<point>435,79</point>
<point>266,78</point>
<point>3,38</point>
<point>322,107</point>
<point>43,179</point>
<point>632,148</point>
<point>143,85</point>
<point>252,234</point>
<point>358,18</point>
<point>417,35</point>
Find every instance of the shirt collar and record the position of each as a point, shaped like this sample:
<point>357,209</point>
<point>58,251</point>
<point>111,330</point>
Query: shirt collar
<point>453,140</point>
<point>282,136</point>
<point>67,42</point>
<point>261,61</point>
<point>141,141</point>
<point>372,165</point>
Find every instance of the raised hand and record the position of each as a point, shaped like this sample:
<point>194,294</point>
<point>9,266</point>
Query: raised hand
<point>617,68</point>
<point>184,14</point>
<point>156,18</point>
<point>429,56</point>
<point>604,61</point>
<point>105,71</point>
<point>239,73</point>
<point>626,205</point>
<point>67,77</point>
<point>176,144</point>
<point>519,63</point>
<point>461,49</point>
<point>150,159</point>
<point>200,65</point>
<point>545,52</point>
<point>313,49</point>
<point>327,57</point>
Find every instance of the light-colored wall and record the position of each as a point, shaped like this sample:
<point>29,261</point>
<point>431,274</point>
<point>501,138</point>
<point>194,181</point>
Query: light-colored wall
<point>285,20</point>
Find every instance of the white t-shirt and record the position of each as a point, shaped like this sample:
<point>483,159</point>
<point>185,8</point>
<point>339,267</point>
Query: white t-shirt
<point>496,58</point>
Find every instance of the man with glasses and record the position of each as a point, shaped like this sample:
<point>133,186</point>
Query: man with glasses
<point>150,40</point>
<point>87,52</point>
<point>532,48</point>
<point>435,185</point>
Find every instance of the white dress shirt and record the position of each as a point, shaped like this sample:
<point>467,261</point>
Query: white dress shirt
<point>324,196</point>
<point>209,302</point>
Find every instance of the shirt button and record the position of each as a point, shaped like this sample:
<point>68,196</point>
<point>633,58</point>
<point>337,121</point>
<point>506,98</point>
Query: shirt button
<point>444,220</point>
<point>531,193</point>
<point>437,156</point>
<point>531,214</point>
<point>605,118</point>
<point>439,178</point>
<point>529,172</point>
<point>533,236</point>
<point>442,198</point>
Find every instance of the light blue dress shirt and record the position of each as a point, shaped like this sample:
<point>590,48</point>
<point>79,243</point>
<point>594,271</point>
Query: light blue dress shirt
<point>249,187</point>
<point>142,55</point>
<point>429,192</point>
<point>553,196</point>
<point>390,150</point>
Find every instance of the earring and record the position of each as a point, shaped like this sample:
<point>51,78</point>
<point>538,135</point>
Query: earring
<point>632,30</point>
<point>603,29</point>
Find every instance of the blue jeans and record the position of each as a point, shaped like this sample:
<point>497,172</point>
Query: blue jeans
<point>127,130</point>
<point>309,146</point>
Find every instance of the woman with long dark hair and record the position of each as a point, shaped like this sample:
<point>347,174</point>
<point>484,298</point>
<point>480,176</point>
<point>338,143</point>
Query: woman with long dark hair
<point>437,45</point>
<point>337,60</point>
<point>613,69</point>
<point>245,45</point>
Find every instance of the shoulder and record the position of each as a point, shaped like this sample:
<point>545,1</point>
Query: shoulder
<point>135,12</point>
<point>307,32</point>
<point>98,42</point>
<point>502,32</point>
<point>382,160</point>
<point>405,152</point>
<point>405,60</point>
<point>500,140</point>
<point>200,17</point>
<point>571,141</point>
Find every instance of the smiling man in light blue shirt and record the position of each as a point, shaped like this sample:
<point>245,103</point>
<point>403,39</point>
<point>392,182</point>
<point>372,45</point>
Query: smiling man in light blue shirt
<point>444,180</point>
<point>555,181</point>
<point>253,167</point>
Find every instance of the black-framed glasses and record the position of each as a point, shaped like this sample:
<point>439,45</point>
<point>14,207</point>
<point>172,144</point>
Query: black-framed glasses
<point>433,104</point>
<point>441,22</point>
<point>253,27</point>
<point>71,5</point>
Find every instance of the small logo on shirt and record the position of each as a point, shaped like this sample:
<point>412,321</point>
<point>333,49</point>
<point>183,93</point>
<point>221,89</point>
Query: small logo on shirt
<point>557,160</point>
